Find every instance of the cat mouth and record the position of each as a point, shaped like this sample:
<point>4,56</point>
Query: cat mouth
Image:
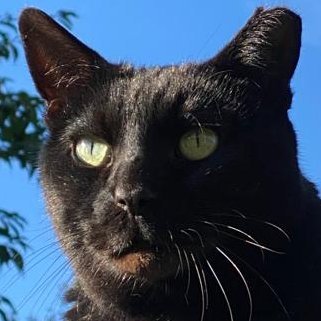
<point>144,260</point>
<point>134,247</point>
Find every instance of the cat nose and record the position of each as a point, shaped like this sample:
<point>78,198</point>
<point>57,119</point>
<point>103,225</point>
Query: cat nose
<point>133,200</point>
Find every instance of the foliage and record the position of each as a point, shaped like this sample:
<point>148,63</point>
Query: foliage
<point>21,133</point>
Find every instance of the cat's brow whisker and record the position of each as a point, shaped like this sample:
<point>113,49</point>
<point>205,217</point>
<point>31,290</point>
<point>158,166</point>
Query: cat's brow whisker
<point>243,280</point>
<point>222,290</point>
<point>201,286</point>
<point>199,124</point>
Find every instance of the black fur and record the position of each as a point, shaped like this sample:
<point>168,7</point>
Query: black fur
<point>190,216</point>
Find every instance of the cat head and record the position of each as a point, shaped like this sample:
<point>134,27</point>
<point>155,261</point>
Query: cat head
<point>141,163</point>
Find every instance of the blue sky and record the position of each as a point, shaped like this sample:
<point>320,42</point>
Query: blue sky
<point>149,32</point>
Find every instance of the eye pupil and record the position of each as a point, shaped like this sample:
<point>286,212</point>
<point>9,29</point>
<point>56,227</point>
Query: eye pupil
<point>197,139</point>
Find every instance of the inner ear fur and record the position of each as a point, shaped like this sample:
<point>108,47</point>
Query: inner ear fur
<point>268,46</point>
<point>59,63</point>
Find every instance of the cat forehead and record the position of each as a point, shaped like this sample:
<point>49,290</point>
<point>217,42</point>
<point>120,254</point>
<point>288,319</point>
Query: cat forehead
<point>159,88</point>
<point>164,82</point>
<point>188,88</point>
<point>160,96</point>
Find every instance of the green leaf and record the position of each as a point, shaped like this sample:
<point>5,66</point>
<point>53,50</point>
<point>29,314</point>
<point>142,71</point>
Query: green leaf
<point>65,17</point>
<point>4,254</point>
<point>7,302</point>
<point>17,259</point>
<point>4,231</point>
<point>3,316</point>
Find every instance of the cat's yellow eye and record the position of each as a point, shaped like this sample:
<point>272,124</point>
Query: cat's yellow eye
<point>198,143</point>
<point>92,151</point>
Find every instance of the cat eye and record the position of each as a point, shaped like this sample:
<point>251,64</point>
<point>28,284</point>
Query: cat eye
<point>92,151</point>
<point>198,144</point>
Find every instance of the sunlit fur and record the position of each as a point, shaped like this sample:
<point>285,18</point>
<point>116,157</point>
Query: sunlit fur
<point>154,236</point>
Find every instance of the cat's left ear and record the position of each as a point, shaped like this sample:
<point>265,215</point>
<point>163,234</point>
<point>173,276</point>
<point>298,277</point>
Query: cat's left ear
<point>62,67</point>
<point>268,46</point>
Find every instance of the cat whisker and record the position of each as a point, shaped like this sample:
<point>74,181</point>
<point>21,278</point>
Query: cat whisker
<point>253,241</point>
<point>276,227</point>
<point>188,234</point>
<point>222,290</point>
<point>58,298</point>
<point>261,247</point>
<point>201,286</point>
<point>215,225</point>
<point>205,285</point>
<point>253,270</point>
<point>188,276</point>
<point>249,236</point>
<point>265,248</point>
<point>16,277</point>
<point>38,286</point>
<point>170,235</point>
<point>199,125</point>
<point>243,280</point>
<point>180,265</point>
<point>198,235</point>
<point>56,275</point>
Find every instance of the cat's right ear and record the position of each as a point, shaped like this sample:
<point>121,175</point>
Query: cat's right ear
<point>268,47</point>
<point>59,63</point>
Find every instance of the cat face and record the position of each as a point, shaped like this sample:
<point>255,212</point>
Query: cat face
<point>142,166</point>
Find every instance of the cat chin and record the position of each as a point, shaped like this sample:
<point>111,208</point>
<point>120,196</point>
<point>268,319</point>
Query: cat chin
<point>127,291</point>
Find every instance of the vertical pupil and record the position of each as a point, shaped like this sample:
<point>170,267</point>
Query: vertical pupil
<point>91,147</point>
<point>197,137</point>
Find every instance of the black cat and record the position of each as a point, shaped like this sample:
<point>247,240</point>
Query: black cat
<point>175,191</point>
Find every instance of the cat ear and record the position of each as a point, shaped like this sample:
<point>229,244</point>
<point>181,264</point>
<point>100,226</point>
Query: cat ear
<point>268,45</point>
<point>59,63</point>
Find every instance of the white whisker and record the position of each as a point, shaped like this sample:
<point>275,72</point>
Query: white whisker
<point>264,281</point>
<point>222,289</point>
<point>201,286</point>
<point>245,234</point>
<point>188,275</point>
<point>243,279</point>
<point>189,235</point>
<point>181,265</point>
<point>198,234</point>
